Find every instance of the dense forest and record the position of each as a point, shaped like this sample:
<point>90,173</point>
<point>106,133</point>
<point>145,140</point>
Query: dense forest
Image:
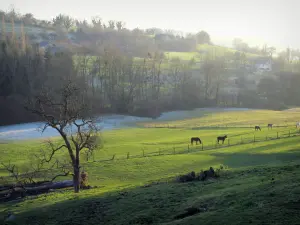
<point>127,71</point>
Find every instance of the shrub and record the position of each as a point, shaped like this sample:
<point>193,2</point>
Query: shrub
<point>187,177</point>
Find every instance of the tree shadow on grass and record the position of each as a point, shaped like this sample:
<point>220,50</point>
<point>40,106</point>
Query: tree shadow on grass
<point>240,196</point>
<point>235,160</point>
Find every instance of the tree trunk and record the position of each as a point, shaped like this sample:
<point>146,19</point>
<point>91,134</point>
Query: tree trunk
<point>217,94</point>
<point>76,179</point>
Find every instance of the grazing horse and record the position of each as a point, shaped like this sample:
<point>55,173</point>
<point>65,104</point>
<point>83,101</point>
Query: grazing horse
<point>270,126</point>
<point>297,124</point>
<point>257,128</point>
<point>221,138</point>
<point>195,139</point>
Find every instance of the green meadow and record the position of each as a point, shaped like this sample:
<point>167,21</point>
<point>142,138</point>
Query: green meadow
<point>259,185</point>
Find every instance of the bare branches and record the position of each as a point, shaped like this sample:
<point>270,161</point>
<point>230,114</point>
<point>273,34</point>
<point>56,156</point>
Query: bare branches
<point>44,156</point>
<point>12,169</point>
<point>21,179</point>
<point>66,110</point>
<point>64,172</point>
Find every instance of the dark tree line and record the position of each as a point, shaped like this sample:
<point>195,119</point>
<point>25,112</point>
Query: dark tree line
<point>115,81</point>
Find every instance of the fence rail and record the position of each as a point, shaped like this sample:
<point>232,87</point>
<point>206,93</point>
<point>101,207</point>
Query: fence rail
<point>235,141</point>
<point>171,126</point>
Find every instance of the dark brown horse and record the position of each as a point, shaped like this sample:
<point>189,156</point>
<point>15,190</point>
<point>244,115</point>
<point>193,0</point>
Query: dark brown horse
<point>257,128</point>
<point>270,126</point>
<point>195,139</point>
<point>221,138</point>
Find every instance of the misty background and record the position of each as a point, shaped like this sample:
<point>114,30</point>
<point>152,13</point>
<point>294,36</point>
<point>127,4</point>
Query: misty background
<point>257,22</point>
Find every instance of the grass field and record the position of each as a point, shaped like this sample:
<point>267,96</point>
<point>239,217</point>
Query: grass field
<point>260,186</point>
<point>212,51</point>
<point>185,56</point>
<point>233,119</point>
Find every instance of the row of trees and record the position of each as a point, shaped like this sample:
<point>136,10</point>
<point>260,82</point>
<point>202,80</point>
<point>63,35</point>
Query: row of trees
<point>117,81</point>
<point>96,23</point>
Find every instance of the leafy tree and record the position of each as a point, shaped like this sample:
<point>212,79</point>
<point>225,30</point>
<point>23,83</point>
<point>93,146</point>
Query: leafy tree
<point>28,19</point>
<point>203,37</point>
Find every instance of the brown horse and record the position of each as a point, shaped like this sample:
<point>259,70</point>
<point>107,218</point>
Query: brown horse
<point>257,128</point>
<point>195,139</point>
<point>221,138</point>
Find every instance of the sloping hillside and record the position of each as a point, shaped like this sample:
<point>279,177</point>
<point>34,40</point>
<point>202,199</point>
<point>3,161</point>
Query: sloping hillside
<point>39,34</point>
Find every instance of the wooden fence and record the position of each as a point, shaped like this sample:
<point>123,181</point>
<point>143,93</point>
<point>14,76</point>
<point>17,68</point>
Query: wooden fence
<point>201,147</point>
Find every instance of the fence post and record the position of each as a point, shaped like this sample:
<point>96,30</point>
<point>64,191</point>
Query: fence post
<point>277,135</point>
<point>113,157</point>
<point>127,155</point>
<point>188,148</point>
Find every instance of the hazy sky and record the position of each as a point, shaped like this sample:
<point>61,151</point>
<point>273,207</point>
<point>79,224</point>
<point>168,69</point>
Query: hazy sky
<point>256,21</point>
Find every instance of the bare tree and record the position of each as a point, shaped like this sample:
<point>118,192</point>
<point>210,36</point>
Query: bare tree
<point>120,25</point>
<point>66,109</point>
<point>68,22</point>
<point>97,22</point>
<point>63,21</point>
<point>207,71</point>
<point>111,24</point>
<point>271,50</point>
